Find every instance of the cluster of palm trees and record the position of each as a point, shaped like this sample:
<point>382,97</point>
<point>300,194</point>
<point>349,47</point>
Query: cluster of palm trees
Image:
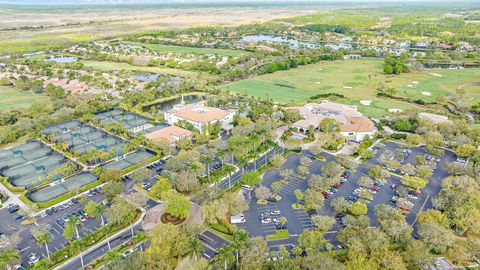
<point>231,253</point>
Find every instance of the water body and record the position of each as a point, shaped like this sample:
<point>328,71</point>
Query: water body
<point>61,59</point>
<point>168,104</point>
<point>145,77</point>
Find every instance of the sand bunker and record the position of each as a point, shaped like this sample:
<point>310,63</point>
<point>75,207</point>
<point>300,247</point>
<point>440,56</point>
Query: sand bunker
<point>414,82</point>
<point>437,75</point>
<point>318,82</point>
<point>394,110</point>
<point>366,102</point>
<point>348,87</point>
<point>426,93</point>
<point>409,85</point>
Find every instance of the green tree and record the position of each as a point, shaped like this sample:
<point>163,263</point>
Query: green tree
<point>340,204</point>
<point>9,257</point>
<point>329,125</point>
<point>42,236</point>
<point>357,209</point>
<point>160,187</point>
<point>113,188</point>
<point>195,247</point>
<point>176,204</point>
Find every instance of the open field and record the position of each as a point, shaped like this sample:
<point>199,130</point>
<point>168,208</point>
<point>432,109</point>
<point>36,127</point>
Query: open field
<point>112,66</point>
<point>69,24</point>
<point>358,80</point>
<point>12,98</point>
<point>181,49</point>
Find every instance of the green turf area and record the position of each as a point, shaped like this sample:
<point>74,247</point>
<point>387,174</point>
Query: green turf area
<point>112,66</point>
<point>181,49</point>
<point>280,234</point>
<point>358,80</point>
<point>12,98</point>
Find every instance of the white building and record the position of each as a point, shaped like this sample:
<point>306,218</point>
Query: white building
<point>199,115</point>
<point>353,125</point>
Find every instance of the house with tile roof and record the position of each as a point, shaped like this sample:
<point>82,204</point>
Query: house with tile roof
<point>200,115</point>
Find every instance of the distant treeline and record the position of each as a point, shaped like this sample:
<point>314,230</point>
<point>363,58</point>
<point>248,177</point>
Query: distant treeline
<point>323,28</point>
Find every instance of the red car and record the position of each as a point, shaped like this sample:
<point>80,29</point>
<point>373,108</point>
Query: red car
<point>337,185</point>
<point>326,195</point>
<point>375,188</point>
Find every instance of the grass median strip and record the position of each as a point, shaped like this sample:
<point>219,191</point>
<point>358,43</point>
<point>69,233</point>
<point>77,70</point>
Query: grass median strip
<point>280,234</point>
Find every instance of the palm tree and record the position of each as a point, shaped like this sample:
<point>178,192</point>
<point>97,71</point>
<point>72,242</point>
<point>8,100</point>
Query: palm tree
<point>195,247</point>
<point>225,255</point>
<point>229,169</point>
<point>43,240</point>
<point>254,138</point>
<point>78,246</point>
<point>207,160</point>
<point>9,257</point>
<point>240,239</point>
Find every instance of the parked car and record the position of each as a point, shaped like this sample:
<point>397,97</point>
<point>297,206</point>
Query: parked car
<point>247,187</point>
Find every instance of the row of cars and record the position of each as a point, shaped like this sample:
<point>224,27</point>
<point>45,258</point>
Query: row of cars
<point>404,198</point>
<point>334,189</point>
<point>55,209</point>
<point>13,208</point>
<point>362,193</point>
<point>269,217</point>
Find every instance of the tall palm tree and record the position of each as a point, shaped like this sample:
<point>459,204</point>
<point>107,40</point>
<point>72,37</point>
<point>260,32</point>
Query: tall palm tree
<point>207,159</point>
<point>43,240</point>
<point>195,247</point>
<point>254,138</point>
<point>229,170</point>
<point>225,255</point>
<point>240,239</point>
<point>9,257</point>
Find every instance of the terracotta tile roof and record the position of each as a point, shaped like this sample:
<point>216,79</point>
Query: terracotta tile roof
<point>358,124</point>
<point>199,112</point>
<point>170,133</point>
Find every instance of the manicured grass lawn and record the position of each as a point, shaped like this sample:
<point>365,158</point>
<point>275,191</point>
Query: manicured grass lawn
<point>280,234</point>
<point>12,98</point>
<point>182,49</point>
<point>358,80</point>
<point>112,66</point>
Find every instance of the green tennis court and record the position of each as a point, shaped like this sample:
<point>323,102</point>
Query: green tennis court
<point>56,190</point>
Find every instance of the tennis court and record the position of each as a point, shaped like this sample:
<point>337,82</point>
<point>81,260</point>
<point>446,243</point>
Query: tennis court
<point>83,138</point>
<point>128,120</point>
<point>75,182</point>
<point>30,164</point>
<point>130,160</point>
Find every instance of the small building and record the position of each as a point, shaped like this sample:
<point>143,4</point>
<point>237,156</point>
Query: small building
<point>351,56</point>
<point>171,134</point>
<point>200,116</point>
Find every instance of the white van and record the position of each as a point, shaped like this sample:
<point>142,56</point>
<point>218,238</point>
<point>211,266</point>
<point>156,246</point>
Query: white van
<point>237,219</point>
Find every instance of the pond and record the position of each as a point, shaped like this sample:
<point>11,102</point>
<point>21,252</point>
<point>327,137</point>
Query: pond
<point>168,104</point>
<point>146,77</point>
<point>61,59</point>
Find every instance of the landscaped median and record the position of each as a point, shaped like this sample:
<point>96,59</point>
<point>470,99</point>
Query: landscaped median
<point>280,234</point>
<point>104,260</point>
<point>73,249</point>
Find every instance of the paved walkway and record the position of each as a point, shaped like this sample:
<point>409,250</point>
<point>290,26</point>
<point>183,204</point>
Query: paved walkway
<point>12,198</point>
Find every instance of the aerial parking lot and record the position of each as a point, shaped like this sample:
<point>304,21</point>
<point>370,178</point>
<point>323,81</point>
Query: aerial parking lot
<point>263,219</point>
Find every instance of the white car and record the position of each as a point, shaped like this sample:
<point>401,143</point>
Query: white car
<point>127,253</point>
<point>247,187</point>
<point>266,220</point>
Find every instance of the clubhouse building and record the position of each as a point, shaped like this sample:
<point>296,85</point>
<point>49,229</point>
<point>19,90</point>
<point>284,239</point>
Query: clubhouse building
<point>353,125</point>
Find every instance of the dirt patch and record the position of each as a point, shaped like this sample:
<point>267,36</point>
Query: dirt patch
<point>167,218</point>
<point>395,110</point>
<point>366,102</point>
